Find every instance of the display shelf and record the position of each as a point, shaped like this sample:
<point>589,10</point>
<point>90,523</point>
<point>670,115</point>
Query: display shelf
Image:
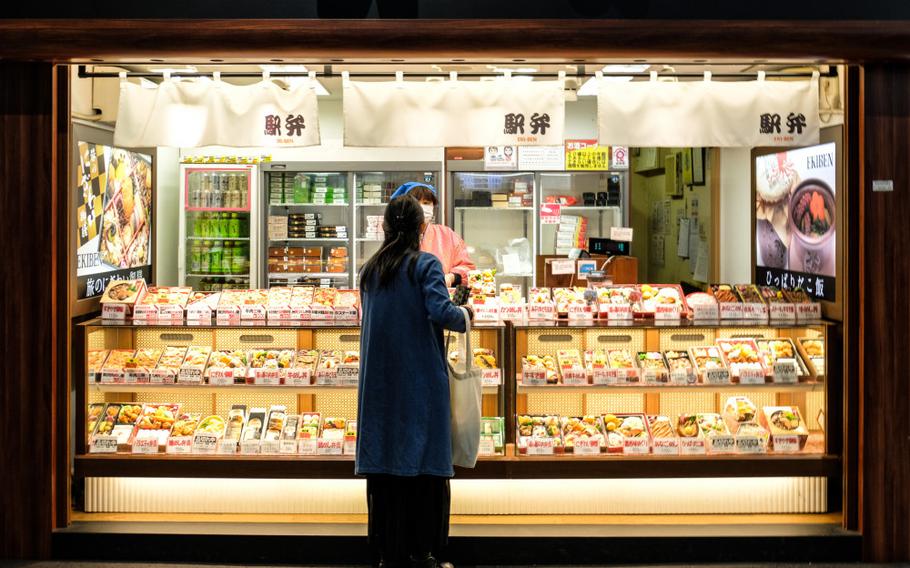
<point>232,389</point>
<point>536,467</point>
<point>286,275</point>
<point>370,204</point>
<point>240,276</point>
<point>309,204</point>
<point>491,208</point>
<point>217,238</point>
<point>220,209</point>
<point>645,389</point>
<point>366,240</point>
<point>223,324</point>
<point>309,240</point>
<point>682,323</point>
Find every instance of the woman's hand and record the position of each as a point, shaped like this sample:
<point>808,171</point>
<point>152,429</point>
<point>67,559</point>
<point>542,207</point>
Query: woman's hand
<point>450,280</point>
<point>470,311</point>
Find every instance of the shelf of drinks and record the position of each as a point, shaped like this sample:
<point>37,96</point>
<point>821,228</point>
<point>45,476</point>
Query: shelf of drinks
<point>308,205</point>
<point>509,466</point>
<point>491,208</point>
<point>217,238</point>
<point>232,389</point>
<point>309,240</point>
<point>220,209</point>
<point>588,207</point>
<point>370,204</point>
<point>814,386</point>
<point>289,275</point>
<point>238,276</point>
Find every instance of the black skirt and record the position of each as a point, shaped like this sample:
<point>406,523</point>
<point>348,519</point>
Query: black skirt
<point>408,516</point>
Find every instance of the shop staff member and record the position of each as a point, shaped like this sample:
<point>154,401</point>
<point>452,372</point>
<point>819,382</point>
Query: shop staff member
<point>404,445</point>
<point>439,240</point>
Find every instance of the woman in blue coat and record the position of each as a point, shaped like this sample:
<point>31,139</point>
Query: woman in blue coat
<point>404,443</point>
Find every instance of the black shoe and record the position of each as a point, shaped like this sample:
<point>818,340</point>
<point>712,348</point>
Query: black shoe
<point>429,561</point>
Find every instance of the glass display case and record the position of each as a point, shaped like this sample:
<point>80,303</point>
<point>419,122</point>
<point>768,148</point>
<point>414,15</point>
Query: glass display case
<point>307,226</point>
<point>494,212</point>
<point>372,192</point>
<point>591,203</point>
<point>217,226</point>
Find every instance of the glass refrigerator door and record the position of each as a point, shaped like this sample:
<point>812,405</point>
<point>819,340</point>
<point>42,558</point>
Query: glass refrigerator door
<point>494,214</point>
<point>372,191</point>
<point>592,203</point>
<point>216,227</point>
<point>307,228</point>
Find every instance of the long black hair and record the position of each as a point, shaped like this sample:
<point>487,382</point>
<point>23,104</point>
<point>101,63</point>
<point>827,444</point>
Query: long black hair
<point>401,223</point>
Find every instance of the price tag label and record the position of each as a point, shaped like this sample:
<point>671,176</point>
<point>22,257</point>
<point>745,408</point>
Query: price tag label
<point>287,447</point>
<point>300,313</point>
<point>581,312</point>
<point>604,376</point>
<point>654,376</point>
<point>308,446</point>
<point>731,310</point>
<point>190,375</point>
<point>131,376</point>
<point>249,447</point>
<point>348,376</point>
<point>751,376</point>
<point>666,447</point>
<point>491,377</point>
<point>512,312</point>
<point>103,445</point>
<point>558,267</point>
<point>204,443</point>
<point>534,377</point>
<point>717,376</point>
<point>749,445</point>
<point>322,313</point>
<point>327,377</point>
<point>486,312</point>
<point>682,377</point>
<point>145,311</point>
<point>145,446</point>
<point>574,377</point>
<point>786,312</point>
<point>279,313</point>
<point>330,447</point>
<point>618,311</point>
<point>170,312</point>
<point>298,377</point>
<point>270,447</point>
<point>587,447</point>
<point>811,311</point>
<point>722,444</point>
<point>221,376</point>
<point>266,377</point>
<point>199,312</point>
<point>628,376</point>
<point>785,371</point>
<point>224,446</point>
<point>636,446</point>
<point>350,447</point>
<point>667,311</point>
<point>180,445</point>
<point>541,446</point>
<point>254,312</point>
<point>705,312</point>
<point>541,312</point>
<point>755,311</point>
<point>786,444</point>
<point>691,446</point>
<point>114,311</point>
<point>487,448</point>
<point>228,312</point>
<point>162,376</point>
<point>110,376</point>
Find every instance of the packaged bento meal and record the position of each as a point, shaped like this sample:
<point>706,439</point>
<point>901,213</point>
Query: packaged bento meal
<point>308,427</point>
<point>236,359</point>
<point>749,293</point>
<point>773,350</point>
<point>538,427</point>
<point>307,359</point>
<point>143,359</point>
<point>706,358</point>
<point>186,425</point>
<point>171,358</point>
<point>167,296</point>
<point>271,358</point>
<point>196,357</point>
<point>117,359</point>
<point>582,428</point>
<point>724,294</point>
<point>236,420</point>
<point>547,364</point>
<point>741,354</point>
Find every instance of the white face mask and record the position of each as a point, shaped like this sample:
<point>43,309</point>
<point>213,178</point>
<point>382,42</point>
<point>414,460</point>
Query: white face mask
<point>427,212</point>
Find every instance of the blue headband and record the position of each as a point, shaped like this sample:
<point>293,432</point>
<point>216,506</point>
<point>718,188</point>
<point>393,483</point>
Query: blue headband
<point>405,188</point>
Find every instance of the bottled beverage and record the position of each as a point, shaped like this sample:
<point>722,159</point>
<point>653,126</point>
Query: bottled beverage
<point>234,226</point>
<point>206,200</point>
<point>244,225</point>
<point>195,190</point>
<point>215,254</point>
<point>233,193</point>
<point>195,260</point>
<point>227,258</point>
<point>243,187</point>
<point>238,260</point>
<point>216,191</point>
<point>205,257</point>
<point>199,225</point>
<point>223,222</point>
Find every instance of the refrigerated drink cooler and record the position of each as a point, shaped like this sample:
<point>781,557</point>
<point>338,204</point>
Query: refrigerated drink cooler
<point>218,226</point>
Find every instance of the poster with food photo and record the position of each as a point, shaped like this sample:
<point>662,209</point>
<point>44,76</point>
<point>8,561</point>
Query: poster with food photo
<point>795,212</point>
<point>113,208</point>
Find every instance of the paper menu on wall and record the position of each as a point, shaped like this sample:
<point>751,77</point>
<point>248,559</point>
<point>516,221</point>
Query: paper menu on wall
<point>701,264</point>
<point>657,250</point>
<point>682,240</point>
